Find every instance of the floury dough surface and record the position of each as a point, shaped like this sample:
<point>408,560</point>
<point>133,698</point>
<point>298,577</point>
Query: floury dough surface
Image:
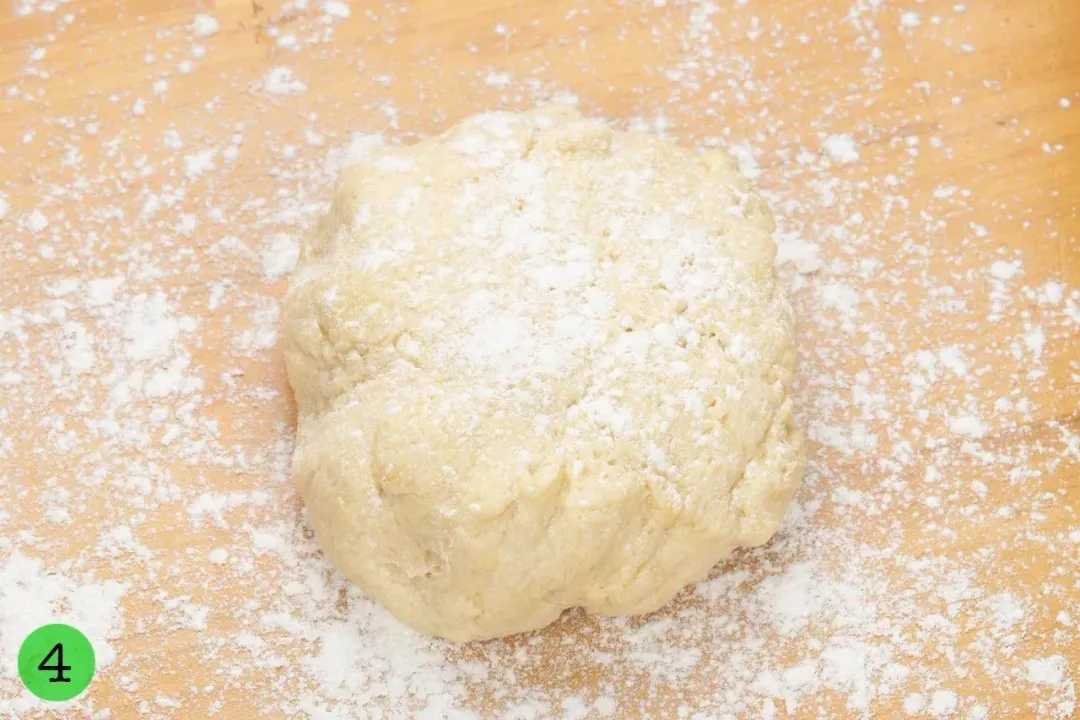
<point>539,364</point>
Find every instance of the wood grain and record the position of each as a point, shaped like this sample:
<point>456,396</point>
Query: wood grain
<point>413,68</point>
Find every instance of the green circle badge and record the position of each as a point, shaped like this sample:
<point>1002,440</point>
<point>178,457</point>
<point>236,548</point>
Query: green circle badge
<point>56,662</point>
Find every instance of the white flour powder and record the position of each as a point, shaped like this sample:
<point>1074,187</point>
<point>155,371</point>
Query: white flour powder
<point>928,567</point>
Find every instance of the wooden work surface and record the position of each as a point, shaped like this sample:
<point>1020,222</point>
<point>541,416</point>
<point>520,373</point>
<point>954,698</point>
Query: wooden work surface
<point>931,564</point>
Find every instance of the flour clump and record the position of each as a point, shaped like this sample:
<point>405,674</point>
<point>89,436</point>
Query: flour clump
<point>539,364</point>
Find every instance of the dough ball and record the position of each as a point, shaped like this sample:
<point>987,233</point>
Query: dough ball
<point>539,364</point>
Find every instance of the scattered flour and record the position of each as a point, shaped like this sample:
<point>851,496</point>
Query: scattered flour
<point>910,19</point>
<point>927,566</point>
<point>336,9</point>
<point>943,703</point>
<point>280,81</point>
<point>842,148</point>
<point>33,594</point>
<point>204,25</point>
<point>279,256</point>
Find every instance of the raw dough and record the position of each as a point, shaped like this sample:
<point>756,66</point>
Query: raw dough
<point>539,364</point>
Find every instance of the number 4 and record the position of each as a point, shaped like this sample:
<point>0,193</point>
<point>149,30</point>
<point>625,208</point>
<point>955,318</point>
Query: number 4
<point>59,667</point>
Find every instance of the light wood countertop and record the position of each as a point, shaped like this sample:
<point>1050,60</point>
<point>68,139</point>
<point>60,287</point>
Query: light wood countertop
<point>932,562</point>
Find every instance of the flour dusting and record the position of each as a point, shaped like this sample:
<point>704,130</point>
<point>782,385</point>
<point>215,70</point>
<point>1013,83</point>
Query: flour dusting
<point>928,565</point>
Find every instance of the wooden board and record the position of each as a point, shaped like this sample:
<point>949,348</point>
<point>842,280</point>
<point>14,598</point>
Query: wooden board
<point>931,564</point>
